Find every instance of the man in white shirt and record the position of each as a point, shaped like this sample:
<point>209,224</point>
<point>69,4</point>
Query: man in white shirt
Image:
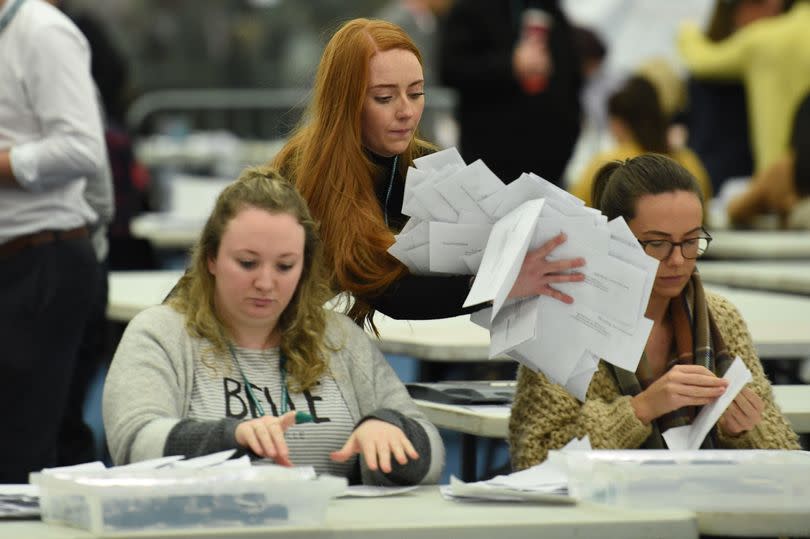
<point>51,141</point>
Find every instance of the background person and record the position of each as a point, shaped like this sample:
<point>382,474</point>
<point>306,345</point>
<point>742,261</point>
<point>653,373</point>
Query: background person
<point>695,336</point>
<point>487,55</point>
<point>51,146</point>
<point>639,125</point>
<point>772,59</point>
<point>244,338</point>
<point>348,160</point>
<point>717,115</point>
<point>783,188</point>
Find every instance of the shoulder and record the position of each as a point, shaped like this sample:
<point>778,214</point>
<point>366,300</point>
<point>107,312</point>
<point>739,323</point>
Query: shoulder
<point>726,315</point>
<point>38,19</point>
<point>160,320</point>
<point>342,332</point>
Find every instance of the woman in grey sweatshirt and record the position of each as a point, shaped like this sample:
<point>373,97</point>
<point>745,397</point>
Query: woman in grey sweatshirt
<point>243,355</point>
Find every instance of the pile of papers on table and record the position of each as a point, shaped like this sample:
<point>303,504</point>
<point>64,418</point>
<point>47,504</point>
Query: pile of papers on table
<point>464,220</point>
<point>173,493</point>
<point>547,483</point>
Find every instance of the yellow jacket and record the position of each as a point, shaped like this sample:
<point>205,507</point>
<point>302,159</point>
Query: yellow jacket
<point>772,58</point>
<point>685,156</point>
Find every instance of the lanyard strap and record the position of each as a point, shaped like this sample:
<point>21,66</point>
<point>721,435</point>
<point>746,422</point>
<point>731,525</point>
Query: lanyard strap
<point>282,371</point>
<point>390,185</point>
<point>9,14</point>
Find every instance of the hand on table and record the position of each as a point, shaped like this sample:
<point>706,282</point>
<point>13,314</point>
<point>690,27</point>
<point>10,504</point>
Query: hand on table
<point>377,441</point>
<point>265,436</point>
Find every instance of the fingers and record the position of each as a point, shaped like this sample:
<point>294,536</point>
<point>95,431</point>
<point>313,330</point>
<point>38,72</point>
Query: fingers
<point>556,294</point>
<point>750,402</point>
<point>696,375</point>
<point>745,412</point>
<point>370,455</point>
<point>265,437</point>
<point>545,249</point>
<point>383,451</point>
<point>377,442</point>
<point>345,452</point>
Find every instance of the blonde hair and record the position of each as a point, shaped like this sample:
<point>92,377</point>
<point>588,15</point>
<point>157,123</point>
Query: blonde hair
<point>326,161</point>
<point>303,322</point>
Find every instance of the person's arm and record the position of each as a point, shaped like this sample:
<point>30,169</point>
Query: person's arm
<point>144,393</point>
<point>773,431</point>
<point>414,297</point>
<point>769,191</point>
<point>704,58</point>
<point>425,297</point>
<point>63,96</point>
<point>545,416</point>
<point>382,396</point>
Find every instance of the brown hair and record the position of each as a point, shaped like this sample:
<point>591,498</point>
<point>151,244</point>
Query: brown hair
<point>326,161</point>
<point>618,185</point>
<point>637,104</point>
<point>303,322</point>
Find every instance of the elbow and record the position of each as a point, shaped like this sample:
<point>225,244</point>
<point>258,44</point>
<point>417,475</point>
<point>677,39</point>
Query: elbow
<point>90,155</point>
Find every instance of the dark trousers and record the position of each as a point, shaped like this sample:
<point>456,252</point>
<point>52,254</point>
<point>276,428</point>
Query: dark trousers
<point>46,296</point>
<point>77,443</point>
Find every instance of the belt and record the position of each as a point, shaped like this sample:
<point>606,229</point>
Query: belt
<point>20,243</point>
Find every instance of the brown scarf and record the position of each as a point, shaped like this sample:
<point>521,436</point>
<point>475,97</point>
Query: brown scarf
<point>697,342</point>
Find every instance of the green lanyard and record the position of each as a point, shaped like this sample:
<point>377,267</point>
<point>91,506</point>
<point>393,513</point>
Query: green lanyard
<point>300,417</point>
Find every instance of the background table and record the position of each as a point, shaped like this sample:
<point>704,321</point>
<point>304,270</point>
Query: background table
<point>779,323</point>
<point>780,276</point>
<point>423,514</point>
<point>493,421</point>
<point>759,244</point>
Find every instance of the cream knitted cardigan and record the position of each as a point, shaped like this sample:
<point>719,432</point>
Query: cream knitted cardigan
<point>545,416</point>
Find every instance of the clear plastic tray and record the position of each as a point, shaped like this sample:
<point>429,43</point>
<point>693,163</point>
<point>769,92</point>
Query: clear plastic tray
<point>709,480</point>
<point>109,502</point>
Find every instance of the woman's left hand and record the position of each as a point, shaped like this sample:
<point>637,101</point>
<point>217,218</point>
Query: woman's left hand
<point>377,441</point>
<point>743,414</point>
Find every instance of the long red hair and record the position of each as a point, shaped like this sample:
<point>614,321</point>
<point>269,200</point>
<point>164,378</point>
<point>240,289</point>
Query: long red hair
<point>326,160</point>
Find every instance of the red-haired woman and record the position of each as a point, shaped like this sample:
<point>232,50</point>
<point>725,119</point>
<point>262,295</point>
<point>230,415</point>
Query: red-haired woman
<point>348,159</point>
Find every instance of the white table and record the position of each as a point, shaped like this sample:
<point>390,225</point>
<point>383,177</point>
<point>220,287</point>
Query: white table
<point>493,421</point>
<point>167,231</point>
<point>779,276</point>
<point>759,244</point>
<point>130,292</point>
<point>779,323</point>
<point>424,514</point>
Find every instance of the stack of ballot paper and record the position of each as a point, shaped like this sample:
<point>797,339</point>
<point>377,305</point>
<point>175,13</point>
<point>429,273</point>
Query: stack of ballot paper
<point>547,482</point>
<point>464,220</point>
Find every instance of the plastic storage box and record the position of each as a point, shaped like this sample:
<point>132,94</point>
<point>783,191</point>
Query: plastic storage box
<point>708,480</point>
<point>108,502</point>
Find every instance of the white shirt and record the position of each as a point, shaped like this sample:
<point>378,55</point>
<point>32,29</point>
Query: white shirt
<point>49,119</point>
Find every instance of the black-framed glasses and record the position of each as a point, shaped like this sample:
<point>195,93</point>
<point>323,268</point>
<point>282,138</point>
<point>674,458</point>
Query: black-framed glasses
<point>691,248</point>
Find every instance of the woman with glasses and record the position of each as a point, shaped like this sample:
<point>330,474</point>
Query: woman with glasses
<point>695,336</point>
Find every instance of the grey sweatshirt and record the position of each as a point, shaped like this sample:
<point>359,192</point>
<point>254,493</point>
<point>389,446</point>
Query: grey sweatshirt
<point>148,389</point>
